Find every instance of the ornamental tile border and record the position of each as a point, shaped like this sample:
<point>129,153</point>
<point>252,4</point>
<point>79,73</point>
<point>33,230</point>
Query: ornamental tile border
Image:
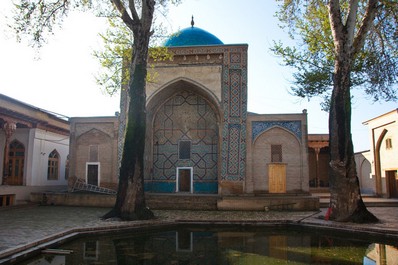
<point>259,127</point>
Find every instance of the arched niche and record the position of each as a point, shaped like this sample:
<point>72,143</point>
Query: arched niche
<point>290,156</point>
<point>183,132</point>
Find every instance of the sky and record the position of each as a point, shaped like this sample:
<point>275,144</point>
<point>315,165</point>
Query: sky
<point>60,77</point>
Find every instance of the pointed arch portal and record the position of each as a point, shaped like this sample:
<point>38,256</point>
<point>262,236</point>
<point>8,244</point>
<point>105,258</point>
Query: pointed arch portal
<point>185,134</point>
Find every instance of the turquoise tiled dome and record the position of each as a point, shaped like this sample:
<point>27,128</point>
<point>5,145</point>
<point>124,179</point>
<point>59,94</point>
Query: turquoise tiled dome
<point>192,36</point>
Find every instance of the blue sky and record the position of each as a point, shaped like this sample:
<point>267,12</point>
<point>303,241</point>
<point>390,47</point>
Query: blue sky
<point>62,80</point>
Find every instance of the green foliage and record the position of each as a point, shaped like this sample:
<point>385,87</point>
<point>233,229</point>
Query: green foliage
<point>116,54</point>
<point>375,65</point>
<point>157,54</point>
<point>36,19</point>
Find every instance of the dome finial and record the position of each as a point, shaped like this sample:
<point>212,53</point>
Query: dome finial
<point>192,22</point>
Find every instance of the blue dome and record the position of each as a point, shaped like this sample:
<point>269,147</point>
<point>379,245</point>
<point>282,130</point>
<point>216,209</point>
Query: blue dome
<point>192,37</point>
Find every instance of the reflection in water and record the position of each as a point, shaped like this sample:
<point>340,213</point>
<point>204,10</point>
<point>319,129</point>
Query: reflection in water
<point>381,254</point>
<point>199,245</point>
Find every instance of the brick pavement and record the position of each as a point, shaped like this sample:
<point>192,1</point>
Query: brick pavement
<point>28,227</point>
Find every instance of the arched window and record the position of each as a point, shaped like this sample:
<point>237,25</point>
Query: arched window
<point>53,165</point>
<point>16,159</point>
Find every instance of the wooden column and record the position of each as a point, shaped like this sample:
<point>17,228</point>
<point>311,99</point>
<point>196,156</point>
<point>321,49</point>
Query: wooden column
<point>317,180</point>
<point>9,129</point>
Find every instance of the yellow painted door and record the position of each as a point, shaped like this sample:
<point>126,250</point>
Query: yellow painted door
<point>277,178</point>
<point>278,247</point>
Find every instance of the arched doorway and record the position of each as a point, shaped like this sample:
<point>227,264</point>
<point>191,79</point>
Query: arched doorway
<point>16,161</point>
<point>185,145</point>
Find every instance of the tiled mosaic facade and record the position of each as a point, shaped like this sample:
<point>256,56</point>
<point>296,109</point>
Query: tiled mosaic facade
<point>233,59</point>
<point>234,103</point>
<point>185,117</point>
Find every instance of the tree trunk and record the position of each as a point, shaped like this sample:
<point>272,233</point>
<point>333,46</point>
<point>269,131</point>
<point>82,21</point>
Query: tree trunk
<point>346,200</point>
<point>130,202</point>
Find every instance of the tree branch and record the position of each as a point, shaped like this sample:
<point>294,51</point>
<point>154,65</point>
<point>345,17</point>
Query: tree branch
<point>124,14</point>
<point>351,19</point>
<point>148,7</point>
<point>296,60</point>
<point>367,20</point>
<point>336,23</point>
<point>133,11</point>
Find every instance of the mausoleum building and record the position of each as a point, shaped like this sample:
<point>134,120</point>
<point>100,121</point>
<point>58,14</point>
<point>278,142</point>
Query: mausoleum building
<point>200,138</point>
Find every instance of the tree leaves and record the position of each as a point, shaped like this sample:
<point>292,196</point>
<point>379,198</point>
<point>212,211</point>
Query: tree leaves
<point>36,19</point>
<point>375,65</point>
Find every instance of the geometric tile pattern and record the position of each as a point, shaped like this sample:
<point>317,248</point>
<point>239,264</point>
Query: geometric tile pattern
<point>235,57</point>
<point>234,104</point>
<point>233,149</point>
<point>259,127</point>
<point>185,116</point>
<point>234,93</point>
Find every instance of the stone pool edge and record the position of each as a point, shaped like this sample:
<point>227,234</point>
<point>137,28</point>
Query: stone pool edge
<point>26,251</point>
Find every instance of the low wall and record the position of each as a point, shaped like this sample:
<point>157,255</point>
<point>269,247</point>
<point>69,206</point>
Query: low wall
<point>22,193</point>
<point>253,203</point>
<point>186,202</point>
<point>73,199</point>
<point>153,201</point>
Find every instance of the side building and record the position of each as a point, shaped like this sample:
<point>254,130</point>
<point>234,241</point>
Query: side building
<point>34,148</point>
<point>381,159</point>
<point>93,151</point>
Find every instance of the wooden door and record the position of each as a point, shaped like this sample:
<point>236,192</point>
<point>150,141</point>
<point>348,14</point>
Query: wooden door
<point>16,163</point>
<point>184,180</point>
<point>392,185</point>
<point>92,174</point>
<point>277,178</point>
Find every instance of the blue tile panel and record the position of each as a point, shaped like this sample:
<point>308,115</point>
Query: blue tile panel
<point>258,127</point>
<point>234,104</point>
<point>210,187</point>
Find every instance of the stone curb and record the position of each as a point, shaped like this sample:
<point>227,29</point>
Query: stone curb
<point>350,227</point>
<point>18,253</point>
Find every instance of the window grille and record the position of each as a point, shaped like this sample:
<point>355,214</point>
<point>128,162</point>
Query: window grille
<point>184,149</point>
<point>93,153</point>
<point>388,143</point>
<point>276,153</point>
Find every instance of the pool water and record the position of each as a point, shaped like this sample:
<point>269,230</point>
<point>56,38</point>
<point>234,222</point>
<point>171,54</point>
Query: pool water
<point>225,245</point>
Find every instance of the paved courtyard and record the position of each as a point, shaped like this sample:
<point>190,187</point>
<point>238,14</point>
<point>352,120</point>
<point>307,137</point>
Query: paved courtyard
<point>27,227</point>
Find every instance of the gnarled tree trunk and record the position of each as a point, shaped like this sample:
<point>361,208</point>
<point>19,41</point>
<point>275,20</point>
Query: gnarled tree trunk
<point>130,201</point>
<point>345,196</point>
<point>346,200</point>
